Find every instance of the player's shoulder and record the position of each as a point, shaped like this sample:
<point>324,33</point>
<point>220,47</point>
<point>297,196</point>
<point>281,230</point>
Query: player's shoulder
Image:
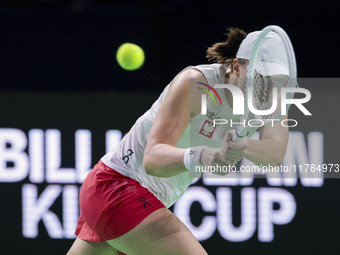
<point>191,73</point>
<point>185,77</point>
<point>198,71</point>
<point>192,77</point>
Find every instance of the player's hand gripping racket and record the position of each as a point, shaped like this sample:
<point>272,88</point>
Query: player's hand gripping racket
<point>272,66</point>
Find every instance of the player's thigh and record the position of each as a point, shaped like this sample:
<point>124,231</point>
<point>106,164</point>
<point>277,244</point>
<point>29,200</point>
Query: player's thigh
<point>159,233</point>
<point>83,247</point>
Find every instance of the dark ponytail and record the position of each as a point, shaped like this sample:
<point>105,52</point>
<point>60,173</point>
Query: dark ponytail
<point>225,52</point>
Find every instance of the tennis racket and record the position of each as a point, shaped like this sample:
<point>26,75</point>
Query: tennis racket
<point>272,66</point>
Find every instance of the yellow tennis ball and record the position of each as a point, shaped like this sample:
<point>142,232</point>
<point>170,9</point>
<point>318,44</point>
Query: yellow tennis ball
<point>130,56</point>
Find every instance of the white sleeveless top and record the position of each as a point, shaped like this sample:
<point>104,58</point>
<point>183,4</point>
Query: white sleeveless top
<point>127,157</point>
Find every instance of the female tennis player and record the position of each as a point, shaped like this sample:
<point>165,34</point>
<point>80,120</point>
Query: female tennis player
<point>124,199</point>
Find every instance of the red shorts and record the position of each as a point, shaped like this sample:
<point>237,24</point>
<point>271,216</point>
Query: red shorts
<point>112,204</point>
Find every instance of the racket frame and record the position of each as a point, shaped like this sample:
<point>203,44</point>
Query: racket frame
<point>247,131</point>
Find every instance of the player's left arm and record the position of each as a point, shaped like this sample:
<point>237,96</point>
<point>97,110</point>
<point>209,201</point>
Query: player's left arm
<point>269,150</point>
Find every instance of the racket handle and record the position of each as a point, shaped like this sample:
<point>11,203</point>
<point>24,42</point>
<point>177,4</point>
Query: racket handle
<point>237,135</point>
<point>241,132</point>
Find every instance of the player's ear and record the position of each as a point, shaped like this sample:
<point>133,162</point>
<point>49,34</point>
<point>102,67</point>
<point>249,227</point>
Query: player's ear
<point>236,66</point>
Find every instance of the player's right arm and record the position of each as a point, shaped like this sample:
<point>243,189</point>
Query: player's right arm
<point>161,157</point>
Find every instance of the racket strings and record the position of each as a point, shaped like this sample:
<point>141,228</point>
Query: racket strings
<point>270,71</point>
<point>263,93</point>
